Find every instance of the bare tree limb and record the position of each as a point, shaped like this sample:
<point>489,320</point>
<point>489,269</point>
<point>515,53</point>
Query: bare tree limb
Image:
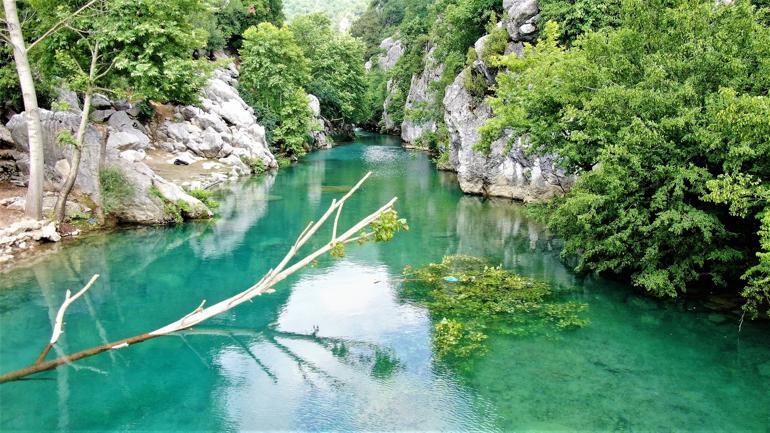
<point>201,314</point>
<point>59,322</point>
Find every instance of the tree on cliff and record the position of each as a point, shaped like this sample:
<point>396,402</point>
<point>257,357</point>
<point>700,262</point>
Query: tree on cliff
<point>103,46</point>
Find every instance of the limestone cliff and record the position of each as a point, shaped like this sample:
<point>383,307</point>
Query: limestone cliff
<point>508,170</point>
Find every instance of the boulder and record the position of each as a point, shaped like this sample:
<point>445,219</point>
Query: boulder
<point>235,113</point>
<point>146,207</point>
<point>133,155</point>
<point>128,138</point>
<point>70,98</point>
<point>315,105</point>
<point>521,19</point>
<point>53,123</point>
<point>120,120</point>
<point>100,116</point>
<point>100,102</point>
<point>207,145</point>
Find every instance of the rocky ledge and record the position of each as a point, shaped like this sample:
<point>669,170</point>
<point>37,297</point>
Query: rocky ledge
<point>161,157</point>
<point>508,169</point>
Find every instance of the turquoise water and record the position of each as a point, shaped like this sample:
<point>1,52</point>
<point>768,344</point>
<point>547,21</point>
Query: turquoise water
<point>336,349</point>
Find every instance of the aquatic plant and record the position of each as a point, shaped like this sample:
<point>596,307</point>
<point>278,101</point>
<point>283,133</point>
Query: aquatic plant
<point>470,299</point>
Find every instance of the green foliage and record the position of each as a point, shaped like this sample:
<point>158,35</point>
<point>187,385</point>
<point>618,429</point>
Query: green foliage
<point>232,17</point>
<point>338,250</point>
<point>341,12</point>
<point>206,197</point>
<point>476,84</point>
<point>337,75</point>
<point>256,165</point>
<point>296,123</point>
<point>576,17</point>
<point>469,300</point>
<point>65,138</point>
<point>10,92</point>
<point>283,161</point>
<point>670,132</point>
<point>145,47</point>
<point>495,44</point>
<point>273,72</point>
<point>115,188</point>
<point>387,225</point>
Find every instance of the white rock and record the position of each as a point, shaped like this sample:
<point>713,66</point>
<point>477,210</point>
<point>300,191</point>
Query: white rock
<point>314,104</point>
<point>129,138</point>
<point>210,165</point>
<point>62,167</point>
<point>133,155</point>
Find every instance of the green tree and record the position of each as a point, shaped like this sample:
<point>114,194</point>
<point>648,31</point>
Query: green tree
<point>336,68</point>
<point>273,71</point>
<point>232,17</point>
<point>90,54</point>
<point>670,134</point>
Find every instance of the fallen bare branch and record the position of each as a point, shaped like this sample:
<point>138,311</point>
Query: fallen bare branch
<point>264,286</point>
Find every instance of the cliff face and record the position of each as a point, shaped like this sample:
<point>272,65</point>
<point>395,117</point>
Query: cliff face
<point>508,170</point>
<point>421,102</point>
<point>391,51</point>
<point>182,146</point>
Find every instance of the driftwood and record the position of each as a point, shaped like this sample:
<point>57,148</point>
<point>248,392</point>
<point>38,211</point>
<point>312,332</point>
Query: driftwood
<point>265,285</point>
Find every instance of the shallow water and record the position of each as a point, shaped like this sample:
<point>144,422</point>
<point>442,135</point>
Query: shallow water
<point>335,349</point>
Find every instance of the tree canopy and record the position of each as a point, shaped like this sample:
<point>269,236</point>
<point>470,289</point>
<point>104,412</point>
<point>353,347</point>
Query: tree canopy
<point>666,118</point>
<point>273,71</point>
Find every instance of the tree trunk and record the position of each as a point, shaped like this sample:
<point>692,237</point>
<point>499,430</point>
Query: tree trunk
<point>34,203</point>
<point>77,150</point>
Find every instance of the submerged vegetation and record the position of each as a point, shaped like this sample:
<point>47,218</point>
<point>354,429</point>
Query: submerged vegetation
<point>469,299</point>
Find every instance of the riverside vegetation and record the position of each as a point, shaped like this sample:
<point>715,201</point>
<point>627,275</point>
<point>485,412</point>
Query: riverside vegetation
<point>643,128</point>
<point>659,110</point>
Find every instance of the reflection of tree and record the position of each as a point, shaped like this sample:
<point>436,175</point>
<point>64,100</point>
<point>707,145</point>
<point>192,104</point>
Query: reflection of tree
<point>241,207</point>
<point>381,362</point>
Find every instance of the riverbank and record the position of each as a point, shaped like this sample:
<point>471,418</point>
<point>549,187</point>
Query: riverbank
<point>339,344</point>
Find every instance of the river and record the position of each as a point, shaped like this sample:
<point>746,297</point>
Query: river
<point>335,348</point>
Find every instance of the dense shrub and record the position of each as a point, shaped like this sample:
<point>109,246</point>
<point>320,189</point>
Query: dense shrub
<point>670,133</point>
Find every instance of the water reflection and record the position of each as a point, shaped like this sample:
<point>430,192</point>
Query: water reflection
<point>241,206</point>
<point>335,348</point>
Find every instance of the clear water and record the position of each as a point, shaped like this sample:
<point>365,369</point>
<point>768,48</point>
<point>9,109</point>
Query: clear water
<point>639,366</point>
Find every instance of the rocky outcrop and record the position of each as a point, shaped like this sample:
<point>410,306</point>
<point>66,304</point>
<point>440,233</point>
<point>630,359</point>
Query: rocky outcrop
<point>421,103</point>
<point>222,126</point>
<point>522,19</point>
<point>320,139</point>
<point>389,124</point>
<point>220,136</point>
<point>23,235</point>
<point>391,51</point>
<point>508,169</point>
